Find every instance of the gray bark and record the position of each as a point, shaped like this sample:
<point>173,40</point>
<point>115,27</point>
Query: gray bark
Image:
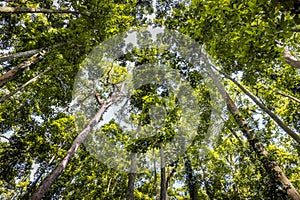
<point>13,73</point>
<point>33,10</point>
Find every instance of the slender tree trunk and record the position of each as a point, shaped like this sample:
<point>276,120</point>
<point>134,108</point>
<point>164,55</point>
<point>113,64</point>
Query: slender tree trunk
<point>46,184</point>
<point>33,10</point>
<point>20,55</point>
<point>155,178</point>
<point>163,189</point>
<point>271,167</point>
<point>9,57</point>
<point>131,178</point>
<point>132,173</point>
<point>191,180</point>
<point>294,135</point>
<point>23,86</point>
<point>13,73</point>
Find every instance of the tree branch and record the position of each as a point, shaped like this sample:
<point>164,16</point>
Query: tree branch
<point>290,59</point>
<point>280,123</point>
<point>5,137</point>
<point>7,9</point>
<point>24,85</point>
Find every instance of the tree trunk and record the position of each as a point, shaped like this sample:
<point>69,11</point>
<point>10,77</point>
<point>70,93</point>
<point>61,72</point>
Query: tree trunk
<point>191,181</point>
<point>46,184</point>
<point>12,74</point>
<point>171,173</point>
<point>19,55</point>
<point>270,166</point>
<point>131,178</point>
<point>23,86</point>
<point>33,10</point>
<point>9,57</point>
<point>132,173</point>
<point>294,135</point>
<point>155,177</point>
<point>163,189</point>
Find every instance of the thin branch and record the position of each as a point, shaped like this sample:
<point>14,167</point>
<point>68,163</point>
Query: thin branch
<point>33,10</point>
<point>5,137</point>
<point>295,30</point>
<point>9,56</point>
<point>293,134</point>
<point>19,55</point>
<point>285,95</point>
<point>11,74</point>
<point>24,85</point>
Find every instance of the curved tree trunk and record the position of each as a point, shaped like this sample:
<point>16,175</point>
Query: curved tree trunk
<point>271,167</point>
<point>46,184</point>
<point>33,10</point>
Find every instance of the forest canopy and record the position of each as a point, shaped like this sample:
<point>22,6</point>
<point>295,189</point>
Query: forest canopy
<point>131,99</point>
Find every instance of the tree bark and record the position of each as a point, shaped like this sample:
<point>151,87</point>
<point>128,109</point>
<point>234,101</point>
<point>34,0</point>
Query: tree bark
<point>271,167</point>
<point>33,10</point>
<point>163,188</point>
<point>290,59</point>
<point>191,180</point>
<point>293,134</point>
<point>24,85</point>
<point>9,57</point>
<point>19,55</point>
<point>46,184</point>
<point>132,173</point>
<point>155,178</point>
<point>13,73</point>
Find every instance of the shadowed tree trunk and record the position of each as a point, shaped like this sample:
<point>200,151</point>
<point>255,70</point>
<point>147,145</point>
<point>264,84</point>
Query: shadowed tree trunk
<point>132,173</point>
<point>191,180</point>
<point>163,188</point>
